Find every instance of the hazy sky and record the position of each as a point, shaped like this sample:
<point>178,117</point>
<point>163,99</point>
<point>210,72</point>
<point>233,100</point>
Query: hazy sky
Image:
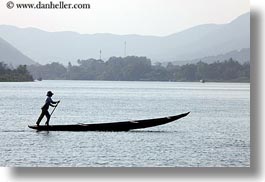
<point>145,17</point>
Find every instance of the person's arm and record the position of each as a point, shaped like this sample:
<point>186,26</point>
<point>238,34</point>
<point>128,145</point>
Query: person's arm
<point>51,102</point>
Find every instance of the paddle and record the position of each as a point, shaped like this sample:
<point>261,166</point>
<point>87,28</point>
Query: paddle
<point>54,108</point>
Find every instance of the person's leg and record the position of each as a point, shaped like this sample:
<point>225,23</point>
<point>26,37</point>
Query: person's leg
<point>48,116</point>
<point>40,118</point>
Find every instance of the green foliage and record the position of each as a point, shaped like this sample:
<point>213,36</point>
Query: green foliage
<point>134,68</point>
<point>19,74</point>
<point>230,71</point>
<point>53,71</point>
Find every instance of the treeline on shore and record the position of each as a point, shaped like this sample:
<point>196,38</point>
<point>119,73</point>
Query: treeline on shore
<point>134,68</point>
<point>19,74</point>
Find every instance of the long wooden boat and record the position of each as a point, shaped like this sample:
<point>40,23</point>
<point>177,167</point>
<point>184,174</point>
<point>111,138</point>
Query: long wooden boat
<point>115,126</point>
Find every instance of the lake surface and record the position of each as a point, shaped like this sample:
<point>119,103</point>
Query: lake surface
<point>215,134</point>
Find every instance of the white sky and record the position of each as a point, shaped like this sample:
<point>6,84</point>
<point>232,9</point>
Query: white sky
<point>145,17</point>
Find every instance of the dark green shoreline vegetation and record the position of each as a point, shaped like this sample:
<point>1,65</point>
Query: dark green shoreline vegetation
<point>19,74</point>
<point>132,68</point>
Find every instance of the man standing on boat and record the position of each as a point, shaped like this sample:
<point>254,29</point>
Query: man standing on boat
<point>45,107</point>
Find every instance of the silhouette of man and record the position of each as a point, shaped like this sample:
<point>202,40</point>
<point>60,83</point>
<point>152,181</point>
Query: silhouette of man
<point>45,107</point>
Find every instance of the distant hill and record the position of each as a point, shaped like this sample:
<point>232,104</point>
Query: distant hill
<point>242,56</point>
<point>11,56</point>
<point>193,43</point>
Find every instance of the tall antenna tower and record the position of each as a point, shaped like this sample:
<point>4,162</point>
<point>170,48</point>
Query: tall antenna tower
<point>100,54</point>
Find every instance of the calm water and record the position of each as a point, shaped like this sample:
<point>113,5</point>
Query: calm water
<point>216,133</point>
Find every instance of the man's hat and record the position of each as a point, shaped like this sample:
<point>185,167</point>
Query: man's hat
<point>49,93</point>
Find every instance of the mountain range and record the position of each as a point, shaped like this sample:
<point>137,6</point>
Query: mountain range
<point>11,56</point>
<point>242,56</point>
<point>197,42</point>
